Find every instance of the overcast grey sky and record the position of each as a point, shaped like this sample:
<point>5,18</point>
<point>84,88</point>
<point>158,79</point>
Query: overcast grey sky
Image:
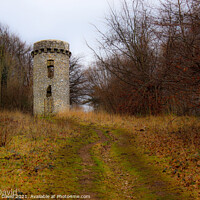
<point>68,20</point>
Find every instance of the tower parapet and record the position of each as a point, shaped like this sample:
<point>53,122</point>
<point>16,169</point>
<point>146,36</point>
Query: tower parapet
<point>52,46</point>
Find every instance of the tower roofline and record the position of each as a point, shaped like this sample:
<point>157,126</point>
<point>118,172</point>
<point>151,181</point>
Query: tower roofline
<point>52,46</point>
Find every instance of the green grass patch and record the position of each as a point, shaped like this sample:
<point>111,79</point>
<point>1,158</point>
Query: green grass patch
<point>104,182</point>
<point>153,184</point>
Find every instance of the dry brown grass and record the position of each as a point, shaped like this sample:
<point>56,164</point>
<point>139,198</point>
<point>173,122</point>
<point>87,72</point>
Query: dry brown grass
<point>16,123</point>
<point>28,143</point>
<point>173,142</point>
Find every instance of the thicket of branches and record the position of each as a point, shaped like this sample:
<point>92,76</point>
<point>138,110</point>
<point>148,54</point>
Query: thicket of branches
<point>78,89</point>
<point>15,72</point>
<point>148,61</point>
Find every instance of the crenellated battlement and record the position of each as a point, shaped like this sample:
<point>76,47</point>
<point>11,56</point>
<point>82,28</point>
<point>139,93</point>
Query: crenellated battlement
<point>50,50</point>
<point>51,46</point>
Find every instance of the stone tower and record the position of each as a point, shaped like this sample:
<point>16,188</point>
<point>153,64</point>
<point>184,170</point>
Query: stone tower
<point>50,76</point>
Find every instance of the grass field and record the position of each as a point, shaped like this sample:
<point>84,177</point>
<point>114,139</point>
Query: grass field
<point>100,155</point>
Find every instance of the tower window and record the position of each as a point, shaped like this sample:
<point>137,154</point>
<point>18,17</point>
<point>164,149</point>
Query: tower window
<point>49,92</point>
<point>50,68</point>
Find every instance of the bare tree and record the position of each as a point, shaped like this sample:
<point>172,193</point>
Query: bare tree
<point>129,52</point>
<point>15,71</point>
<point>153,61</point>
<point>178,29</point>
<point>77,81</point>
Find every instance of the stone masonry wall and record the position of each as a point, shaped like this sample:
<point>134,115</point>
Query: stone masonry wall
<point>59,52</point>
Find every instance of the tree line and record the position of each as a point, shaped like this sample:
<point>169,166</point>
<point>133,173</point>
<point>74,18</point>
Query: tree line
<point>15,71</point>
<point>147,62</point>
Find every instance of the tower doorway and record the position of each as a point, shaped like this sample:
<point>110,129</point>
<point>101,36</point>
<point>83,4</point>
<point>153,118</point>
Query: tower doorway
<point>48,101</point>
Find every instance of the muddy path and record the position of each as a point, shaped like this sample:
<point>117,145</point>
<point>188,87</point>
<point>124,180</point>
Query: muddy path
<point>111,168</point>
<point>86,180</point>
<point>87,162</point>
<point>122,172</point>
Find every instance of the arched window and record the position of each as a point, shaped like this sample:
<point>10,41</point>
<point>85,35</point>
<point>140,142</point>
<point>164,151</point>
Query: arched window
<point>50,68</point>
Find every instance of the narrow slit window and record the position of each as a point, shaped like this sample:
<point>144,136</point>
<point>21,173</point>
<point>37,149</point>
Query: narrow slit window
<point>50,68</point>
<point>49,91</point>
